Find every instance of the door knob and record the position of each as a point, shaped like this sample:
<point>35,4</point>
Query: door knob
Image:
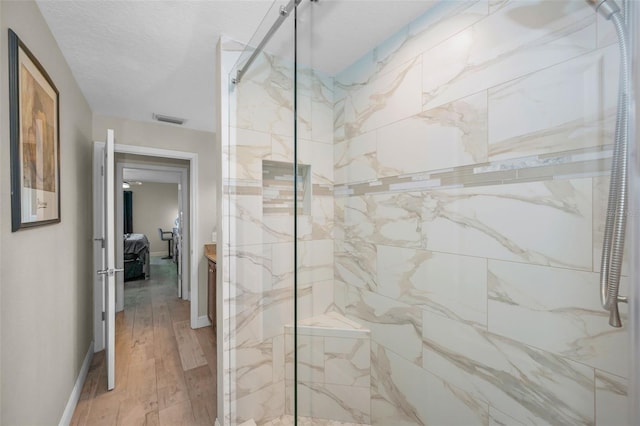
<point>109,272</point>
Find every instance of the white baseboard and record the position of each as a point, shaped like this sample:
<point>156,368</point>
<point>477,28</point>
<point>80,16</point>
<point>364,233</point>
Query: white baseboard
<point>158,253</point>
<point>77,388</point>
<point>203,321</point>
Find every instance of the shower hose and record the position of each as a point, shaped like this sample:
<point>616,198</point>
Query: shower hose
<point>614,232</point>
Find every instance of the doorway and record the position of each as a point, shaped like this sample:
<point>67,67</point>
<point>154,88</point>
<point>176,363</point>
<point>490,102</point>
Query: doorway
<point>164,205</point>
<point>190,190</point>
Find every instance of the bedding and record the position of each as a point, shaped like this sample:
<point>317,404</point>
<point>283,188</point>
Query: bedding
<point>136,257</point>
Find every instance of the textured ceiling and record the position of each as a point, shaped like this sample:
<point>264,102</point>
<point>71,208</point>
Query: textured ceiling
<point>138,57</point>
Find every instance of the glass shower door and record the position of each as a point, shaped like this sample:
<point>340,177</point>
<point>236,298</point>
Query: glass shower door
<point>414,229</point>
<point>472,150</point>
<point>259,209</point>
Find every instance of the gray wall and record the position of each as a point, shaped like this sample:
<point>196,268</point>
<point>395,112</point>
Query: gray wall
<point>46,272</point>
<point>163,136</point>
<point>155,205</point>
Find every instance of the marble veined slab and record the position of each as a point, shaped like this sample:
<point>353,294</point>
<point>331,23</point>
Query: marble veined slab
<point>531,385</point>
<point>288,420</point>
<point>450,135</point>
<point>517,39</point>
<point>568,106</point>
<point>404,394</point>
<point>557,310</point>
<point>547,223</point>
<point>446,284</point>
<point>330,324</point>
<point>612,405</point>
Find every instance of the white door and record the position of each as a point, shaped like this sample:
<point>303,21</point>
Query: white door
<point>105,213</point>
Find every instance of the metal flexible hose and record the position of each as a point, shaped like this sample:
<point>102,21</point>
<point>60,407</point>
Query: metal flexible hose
<point>613,245</point>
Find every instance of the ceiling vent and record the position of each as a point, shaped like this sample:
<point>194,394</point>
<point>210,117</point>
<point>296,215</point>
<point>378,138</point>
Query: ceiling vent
<point>169,119</point>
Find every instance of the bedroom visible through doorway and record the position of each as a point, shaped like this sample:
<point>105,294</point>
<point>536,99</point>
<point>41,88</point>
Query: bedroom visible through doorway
<point>153,204</point>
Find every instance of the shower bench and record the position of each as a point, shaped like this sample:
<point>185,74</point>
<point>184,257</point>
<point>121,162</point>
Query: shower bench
<point>334,369</point>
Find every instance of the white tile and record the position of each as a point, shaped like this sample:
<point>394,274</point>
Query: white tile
<point>277,228</point>
<point>557,310</point>
<point>310,358</point>
<point>405,394</point>
<point>355,265</point>
<point>334,402</point>
<point>320,157</point>
<point>498,418</point>
<point>533,386</point>
<point>330,324</point>
<point>355,159</point>
<point>264,100</point>
<point>322,114</point>
<point>386,99</point>
<point>340,296</point>
<point>282,264</point>
<point>430,29</point>
<point>390,219</point>
<point>600,203</point>
<point>322,217</point>
<point>323,297</point>
<point>517,39</point>
<point>262,315</point>
<point>495,5</point>
<point>612,405</point>
<point>568,106</point>
<point>246,152</point>
<point>347,361</point>
<point>245,220</point>
<point>250,267</point>
<point>393,324</point>
<point>282,148</point>
<point>449,285</point>
<point>547,223</point>
<point>260,406</point>
<point>278,358</point>
<point>254,365</point>
<point>304,116</point>
<point>451,135</point>
<point>315,261</point>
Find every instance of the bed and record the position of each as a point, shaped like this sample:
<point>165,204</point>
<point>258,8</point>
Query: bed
<point>136,257</point>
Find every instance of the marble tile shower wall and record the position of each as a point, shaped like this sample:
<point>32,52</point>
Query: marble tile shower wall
<point>261,240</point>
<point>470,158</point>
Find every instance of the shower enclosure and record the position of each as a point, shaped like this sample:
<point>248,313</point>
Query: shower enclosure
<point>414,205</point>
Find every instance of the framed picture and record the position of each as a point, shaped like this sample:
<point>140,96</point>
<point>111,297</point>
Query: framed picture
<point>35,140</point>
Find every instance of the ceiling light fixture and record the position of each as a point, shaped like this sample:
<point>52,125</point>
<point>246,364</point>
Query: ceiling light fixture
<point>125,185</point>
<point>168,119</point>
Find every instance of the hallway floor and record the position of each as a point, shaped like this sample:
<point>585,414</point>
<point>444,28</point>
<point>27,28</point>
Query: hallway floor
<point>165,371</point>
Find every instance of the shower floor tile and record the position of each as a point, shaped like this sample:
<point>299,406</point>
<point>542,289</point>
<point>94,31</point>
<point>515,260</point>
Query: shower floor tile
<point>308,421</point>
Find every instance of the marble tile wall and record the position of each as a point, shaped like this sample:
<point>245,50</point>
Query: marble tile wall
<point>260,237</point>
<point>333,370</point>
<point>471,154</point>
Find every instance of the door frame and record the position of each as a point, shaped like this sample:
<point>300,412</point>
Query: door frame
<point>182,182</point>
<point>192,157</point>
<point>98,285</point>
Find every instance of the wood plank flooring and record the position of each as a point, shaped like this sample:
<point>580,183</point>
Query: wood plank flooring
<point>165,371</point>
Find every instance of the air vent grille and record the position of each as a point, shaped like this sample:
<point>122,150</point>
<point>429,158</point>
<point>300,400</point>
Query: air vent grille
<point>169,119</point>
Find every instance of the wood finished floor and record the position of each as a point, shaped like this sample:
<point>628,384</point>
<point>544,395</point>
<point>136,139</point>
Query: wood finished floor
<point>165,371</point>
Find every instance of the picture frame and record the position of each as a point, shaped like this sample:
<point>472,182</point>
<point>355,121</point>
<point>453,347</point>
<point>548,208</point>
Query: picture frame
<point>35,140</point>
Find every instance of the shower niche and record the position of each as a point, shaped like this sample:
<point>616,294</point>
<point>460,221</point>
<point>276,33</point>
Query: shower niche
<point>278,195</point>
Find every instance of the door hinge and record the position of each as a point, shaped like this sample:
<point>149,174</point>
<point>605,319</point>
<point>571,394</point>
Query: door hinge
<point>103,315</point>
<point>101,241</point>
<point>101,170</point>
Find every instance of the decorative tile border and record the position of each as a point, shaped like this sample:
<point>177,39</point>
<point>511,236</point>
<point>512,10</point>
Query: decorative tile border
<point>581,163</point>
